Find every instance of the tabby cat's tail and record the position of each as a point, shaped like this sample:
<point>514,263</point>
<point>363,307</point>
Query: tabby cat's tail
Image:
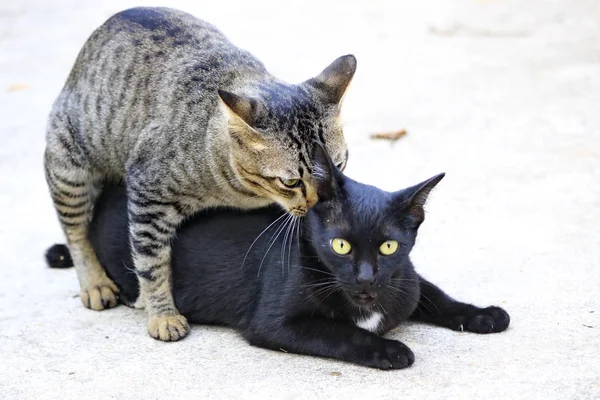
<point>58,256</point>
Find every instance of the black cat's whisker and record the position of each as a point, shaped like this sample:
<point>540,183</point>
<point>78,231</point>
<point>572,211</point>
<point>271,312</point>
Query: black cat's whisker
<point>324,288</point>
<point>318,270</point>
<point>382,308</point>
<point>258,237</point>
<point>418,299</point>
<point>319,284</point>
<point>391,295</point>
<point>280,229</point>
<point>422,296</point>
<point>327,291</point>
<point>336,288</point>
<point>422,303</point>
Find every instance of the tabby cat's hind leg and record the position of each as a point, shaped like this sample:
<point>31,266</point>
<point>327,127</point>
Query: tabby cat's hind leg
<point>73,192</point>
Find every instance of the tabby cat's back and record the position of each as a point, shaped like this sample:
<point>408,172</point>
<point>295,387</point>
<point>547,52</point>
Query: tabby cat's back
<point>145,64</point>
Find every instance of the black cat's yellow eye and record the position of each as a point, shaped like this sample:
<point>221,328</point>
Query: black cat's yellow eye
<point>291,183</point>
<point>388,247</point>
<point>340,246</point>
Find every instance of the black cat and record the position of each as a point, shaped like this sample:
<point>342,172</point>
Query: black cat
<point>328,290</point>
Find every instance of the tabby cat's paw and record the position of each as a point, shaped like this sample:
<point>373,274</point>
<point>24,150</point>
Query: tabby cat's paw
<point>388,354</point>
<point>485,320</point>
<point>168,328</point>
<point>100,296</point>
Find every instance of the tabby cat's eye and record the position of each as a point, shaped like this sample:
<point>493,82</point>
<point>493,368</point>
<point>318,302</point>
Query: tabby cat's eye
<point>291,183</point>
<point>388,247</point>
<point>340,246</point>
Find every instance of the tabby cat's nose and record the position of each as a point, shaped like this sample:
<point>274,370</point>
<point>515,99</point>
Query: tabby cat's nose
<point>366,274</point>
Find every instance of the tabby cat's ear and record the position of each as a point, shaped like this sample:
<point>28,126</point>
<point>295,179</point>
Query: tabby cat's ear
<point>247,109</point>
<point>334,79</point>
<point>410,201</point>
<point>243,113</point>
<point>324,173</point>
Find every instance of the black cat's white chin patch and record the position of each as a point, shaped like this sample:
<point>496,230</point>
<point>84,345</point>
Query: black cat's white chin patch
<point>370,323</point>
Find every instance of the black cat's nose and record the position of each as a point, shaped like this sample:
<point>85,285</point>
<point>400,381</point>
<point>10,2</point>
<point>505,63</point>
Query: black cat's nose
<point>366,274</point>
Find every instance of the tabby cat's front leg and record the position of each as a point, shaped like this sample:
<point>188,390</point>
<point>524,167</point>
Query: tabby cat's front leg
<point>438,308</point>
<point>332,339</point>
<point>152,224</point>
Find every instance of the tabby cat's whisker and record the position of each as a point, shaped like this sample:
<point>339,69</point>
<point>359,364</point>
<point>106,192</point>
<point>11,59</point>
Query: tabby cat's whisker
<point>298,234</point>
<point>279,230</point>
<point>294,224</point>
<point>285,238</point>
<point>131,270</point>
<point>262,233</point>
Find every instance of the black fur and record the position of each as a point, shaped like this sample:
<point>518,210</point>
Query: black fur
<point>58,256</point>
<point>302,297</point>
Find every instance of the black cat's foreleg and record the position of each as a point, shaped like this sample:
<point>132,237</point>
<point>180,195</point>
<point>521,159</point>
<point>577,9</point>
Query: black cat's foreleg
<point>437,308</point>
<point>327,338</point>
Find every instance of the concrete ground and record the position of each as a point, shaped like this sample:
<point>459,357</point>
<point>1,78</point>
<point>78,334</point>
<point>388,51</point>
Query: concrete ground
<point>502,95</point>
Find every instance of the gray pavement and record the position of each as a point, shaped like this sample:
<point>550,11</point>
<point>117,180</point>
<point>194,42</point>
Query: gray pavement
<point>502,95</point>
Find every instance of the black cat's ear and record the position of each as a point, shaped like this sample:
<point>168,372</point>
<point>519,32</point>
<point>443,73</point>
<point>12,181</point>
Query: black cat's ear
<point>410,201</point>
<point>334,79</point>
<point>324,173</point>
<point>248,109</point>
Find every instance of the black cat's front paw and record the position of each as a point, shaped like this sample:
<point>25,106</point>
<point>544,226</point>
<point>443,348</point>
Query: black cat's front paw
<point>483,320</point>
<point>387,354</point>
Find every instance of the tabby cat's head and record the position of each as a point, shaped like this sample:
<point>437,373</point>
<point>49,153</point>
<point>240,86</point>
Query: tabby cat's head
<point>363,235</point>
<point>273,131</point>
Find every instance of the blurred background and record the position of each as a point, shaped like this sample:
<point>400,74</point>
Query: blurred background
<point>502,95</point>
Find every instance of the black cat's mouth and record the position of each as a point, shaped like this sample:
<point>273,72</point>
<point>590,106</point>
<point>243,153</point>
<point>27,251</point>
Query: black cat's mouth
<point>363,298</point>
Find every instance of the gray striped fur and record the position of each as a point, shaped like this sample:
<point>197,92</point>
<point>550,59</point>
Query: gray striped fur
<point>165,102</point>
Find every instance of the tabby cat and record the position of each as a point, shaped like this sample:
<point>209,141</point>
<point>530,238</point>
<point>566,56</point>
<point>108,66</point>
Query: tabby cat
<point>329,290</point>
<point>163,102</point>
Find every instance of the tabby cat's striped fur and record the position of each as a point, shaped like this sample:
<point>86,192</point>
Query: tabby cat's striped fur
<point>151,101</point>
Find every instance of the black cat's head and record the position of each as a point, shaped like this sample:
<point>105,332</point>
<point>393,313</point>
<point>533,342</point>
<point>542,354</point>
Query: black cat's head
<point>363,235</point>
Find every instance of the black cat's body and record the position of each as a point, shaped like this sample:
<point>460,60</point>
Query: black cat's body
<point>221,288</point>
<point>289,290</point>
